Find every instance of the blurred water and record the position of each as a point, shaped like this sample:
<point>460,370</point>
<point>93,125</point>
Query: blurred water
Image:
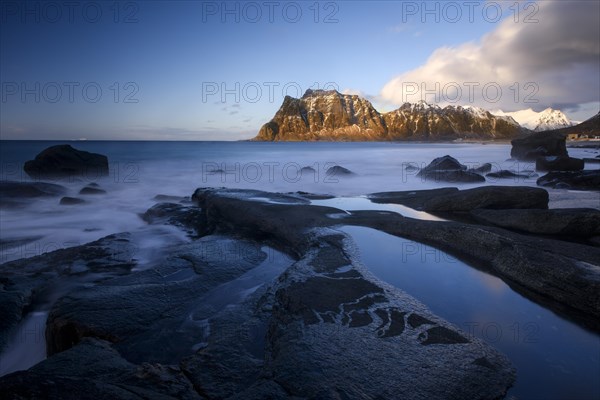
<point>141,170</point>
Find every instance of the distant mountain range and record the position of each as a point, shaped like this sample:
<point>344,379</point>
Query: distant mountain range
<point>539,121</point>
<point>327,115</point>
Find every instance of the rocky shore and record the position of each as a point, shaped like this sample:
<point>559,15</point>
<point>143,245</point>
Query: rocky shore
<point>123,331</point>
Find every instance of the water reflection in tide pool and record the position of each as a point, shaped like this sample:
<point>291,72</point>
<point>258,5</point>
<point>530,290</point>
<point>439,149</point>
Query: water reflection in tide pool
<point>363,203</point>
<point>555,359</point>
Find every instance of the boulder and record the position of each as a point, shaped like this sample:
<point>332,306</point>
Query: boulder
<point>578,180</point>
<point>562,163</point>
<point>539,144</point>
<point>448,169</point>
<point>445,163</point>
<point>64,161</point>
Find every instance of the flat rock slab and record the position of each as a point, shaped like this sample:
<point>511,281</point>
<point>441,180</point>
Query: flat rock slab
<point>573,222</point>
<point>452,200</point>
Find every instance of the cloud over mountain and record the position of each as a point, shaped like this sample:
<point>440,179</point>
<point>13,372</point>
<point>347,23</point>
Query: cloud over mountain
<point>555,61</point>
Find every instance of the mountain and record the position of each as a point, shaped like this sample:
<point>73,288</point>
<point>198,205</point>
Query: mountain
<point>549,119</point>
<point>589,127</point>
<point>331,116</point>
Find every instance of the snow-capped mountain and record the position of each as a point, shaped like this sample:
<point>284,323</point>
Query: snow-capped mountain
<point>330,115</point>
<point>539,121</point>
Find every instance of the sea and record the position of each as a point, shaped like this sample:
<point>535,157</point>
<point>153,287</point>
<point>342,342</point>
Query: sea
<point>560,357</point>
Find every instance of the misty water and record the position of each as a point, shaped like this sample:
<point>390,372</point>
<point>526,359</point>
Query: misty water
<point>141,170</point>
<point>555,358</point>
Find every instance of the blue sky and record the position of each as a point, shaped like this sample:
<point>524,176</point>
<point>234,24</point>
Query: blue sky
<point>161,65</point>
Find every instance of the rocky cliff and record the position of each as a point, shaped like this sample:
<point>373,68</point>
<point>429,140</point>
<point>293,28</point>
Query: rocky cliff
<point>332,116</point>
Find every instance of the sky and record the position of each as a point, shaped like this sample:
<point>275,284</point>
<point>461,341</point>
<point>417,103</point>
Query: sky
<point>192,70</point>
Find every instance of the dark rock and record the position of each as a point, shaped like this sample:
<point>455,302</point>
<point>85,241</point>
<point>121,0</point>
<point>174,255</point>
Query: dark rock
<point>413,199</point>
<point>558,164</point>
<point>90,190</point>
<point>64,161</point>
<point>540,144</point>
<point>506,174</point>
<point>18,194</point>
<point>70,201</point>
<point>336,170</point>
<point>487,167</point>
<point>25,281</point>
<point>165,198</point>
<point>448,169</point>
<point>452,176</point>
<point>574,222</point>
<point>578,180</point>
<point>94,370</point>
<point>311,317</point>
<point>445,163</point>
<point>592,160</point>
<point>189,218</point>
<point>489,197</point>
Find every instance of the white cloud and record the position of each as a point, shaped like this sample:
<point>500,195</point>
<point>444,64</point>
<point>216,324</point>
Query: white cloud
<point>552,63</point>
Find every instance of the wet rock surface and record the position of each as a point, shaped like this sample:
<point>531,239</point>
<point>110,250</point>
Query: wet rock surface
<point>316,328</point>
<point>158,332</point>
<point>576,222</point>
<point>454,200</point>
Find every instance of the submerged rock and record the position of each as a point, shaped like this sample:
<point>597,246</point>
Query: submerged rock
<point>19,194</point>
<point>337,170</point>
<point>64,161</point>
<point>506,174</point>
<point>91,190</point>
<point>70,201</point>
